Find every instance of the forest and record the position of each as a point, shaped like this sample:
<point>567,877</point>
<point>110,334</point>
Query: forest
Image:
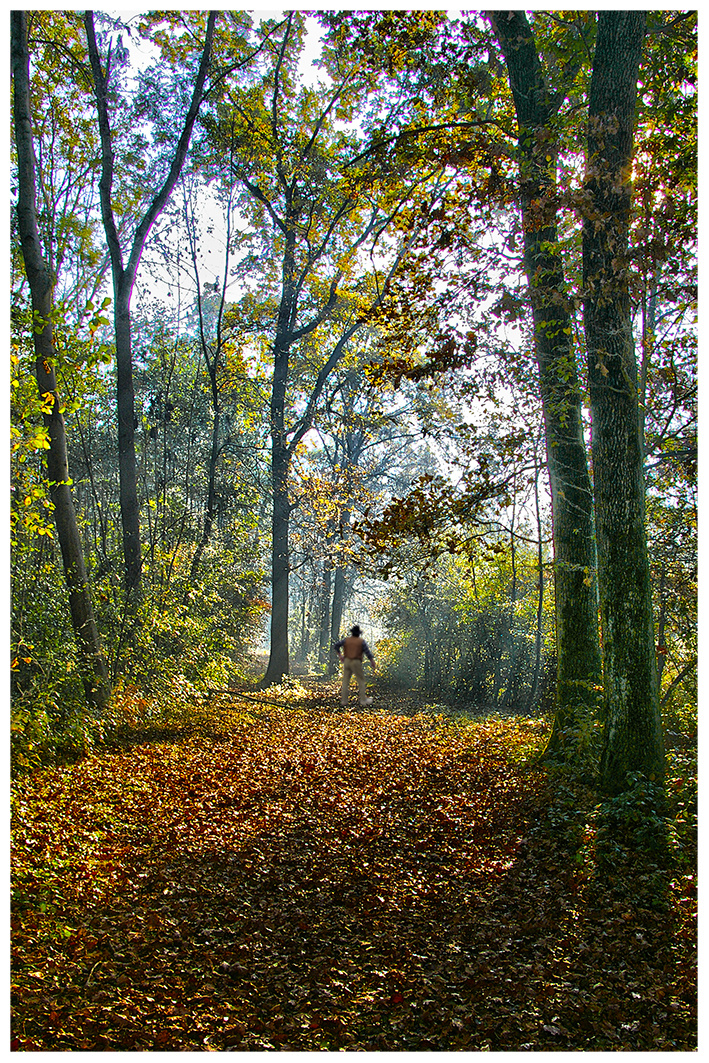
<point>334,318</point>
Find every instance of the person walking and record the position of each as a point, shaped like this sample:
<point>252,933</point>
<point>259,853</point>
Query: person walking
<point>350,651</point>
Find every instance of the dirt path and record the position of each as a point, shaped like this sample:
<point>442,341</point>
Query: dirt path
<point>308,880</point>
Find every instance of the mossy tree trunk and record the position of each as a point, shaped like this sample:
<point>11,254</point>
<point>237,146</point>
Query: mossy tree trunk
<point>633,740</point>
<point>576,593</point>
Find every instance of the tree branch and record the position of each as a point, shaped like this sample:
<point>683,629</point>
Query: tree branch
<point>180,154</point>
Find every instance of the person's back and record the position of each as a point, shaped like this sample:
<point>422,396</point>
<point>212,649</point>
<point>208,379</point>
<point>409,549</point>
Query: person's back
<point>353,647</point>
<point>350,651</point>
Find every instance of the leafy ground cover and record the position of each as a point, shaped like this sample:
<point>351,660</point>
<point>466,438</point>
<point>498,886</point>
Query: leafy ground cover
<point>262,877</point>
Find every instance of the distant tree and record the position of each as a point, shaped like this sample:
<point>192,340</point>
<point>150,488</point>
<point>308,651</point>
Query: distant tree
<point>454,629</point>
<point>320,215</point>
<point>363,452</point>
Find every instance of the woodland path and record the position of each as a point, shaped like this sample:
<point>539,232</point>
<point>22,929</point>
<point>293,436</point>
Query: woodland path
<point>302,879</point>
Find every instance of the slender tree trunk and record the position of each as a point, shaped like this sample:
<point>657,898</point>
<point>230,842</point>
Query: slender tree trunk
<point>661,653</point>
<point>278,663</point>
<point>301,647</point>
<point>92,663</point>
<point>128,483</point>
<point>633,740</point>
<point>325,602</point>
<point>648,344</point>
<point>124,279</point>
<point>338,593</point>
<point>575,581</point>
<point>512,642</point>
<point>211,478</point>
<point>687,670</point>
<point>339,587</point>
<point>102,547</point>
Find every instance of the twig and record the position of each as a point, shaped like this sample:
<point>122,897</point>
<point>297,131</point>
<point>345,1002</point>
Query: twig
<point>247,697</point>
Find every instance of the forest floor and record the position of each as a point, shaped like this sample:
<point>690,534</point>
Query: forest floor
<point>254,876</point>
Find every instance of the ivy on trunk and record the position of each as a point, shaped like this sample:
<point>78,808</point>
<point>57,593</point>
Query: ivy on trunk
<point>633,740</point>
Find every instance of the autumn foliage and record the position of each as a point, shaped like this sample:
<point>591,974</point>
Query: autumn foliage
<point>292,878</point>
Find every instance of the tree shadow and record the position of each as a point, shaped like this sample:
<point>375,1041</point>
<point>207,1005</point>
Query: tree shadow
<point>413,920</point>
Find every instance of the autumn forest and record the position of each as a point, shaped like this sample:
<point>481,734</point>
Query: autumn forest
<point>353,319</point>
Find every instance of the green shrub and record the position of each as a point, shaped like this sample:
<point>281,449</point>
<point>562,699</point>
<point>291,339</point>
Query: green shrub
<point>635,818</point>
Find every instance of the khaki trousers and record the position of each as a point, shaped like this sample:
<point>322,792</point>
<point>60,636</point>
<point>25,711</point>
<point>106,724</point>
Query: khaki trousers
<point>353,667</point>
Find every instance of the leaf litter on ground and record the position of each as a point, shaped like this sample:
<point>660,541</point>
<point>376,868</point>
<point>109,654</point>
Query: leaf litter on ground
<point>292,878</point>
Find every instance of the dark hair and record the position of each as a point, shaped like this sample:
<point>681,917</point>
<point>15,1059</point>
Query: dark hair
<point>355,631</point>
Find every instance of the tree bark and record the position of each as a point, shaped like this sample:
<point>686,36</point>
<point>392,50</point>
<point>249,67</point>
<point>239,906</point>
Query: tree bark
<point>575,579</point>
<point>633,740</point>
<point>324,649</point>
<point>92,663</point>
<point>125,405</point>
<point>278,663</point>
<point>534,686</point>
<point>339,594</point>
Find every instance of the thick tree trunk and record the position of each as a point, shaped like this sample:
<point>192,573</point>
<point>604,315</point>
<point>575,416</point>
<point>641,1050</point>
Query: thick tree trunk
<point>92,663</point>
<point>578,651</point>
<point>633,740</point>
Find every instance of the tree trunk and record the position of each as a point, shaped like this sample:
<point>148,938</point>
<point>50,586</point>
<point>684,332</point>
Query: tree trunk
<point>575,582</point>
<point>325,597</point>
<point>511,637</point>
<point>278,664</point>
<point>534,686</point>
<point>92,664</point>
<point>124,279</point>
<point>211,478</point>
<point>128,484</point>
<point>633,740</point>
<point>338,595</point>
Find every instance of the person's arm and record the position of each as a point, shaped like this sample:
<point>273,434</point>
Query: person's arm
<point>337,647</point>
<point>368,652</point>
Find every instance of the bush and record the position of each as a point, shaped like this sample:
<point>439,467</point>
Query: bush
<point>635,819</point>
<point>50,723</point>
<point>198,632</point>
<point>181,637</point>
<point>458,632</point>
